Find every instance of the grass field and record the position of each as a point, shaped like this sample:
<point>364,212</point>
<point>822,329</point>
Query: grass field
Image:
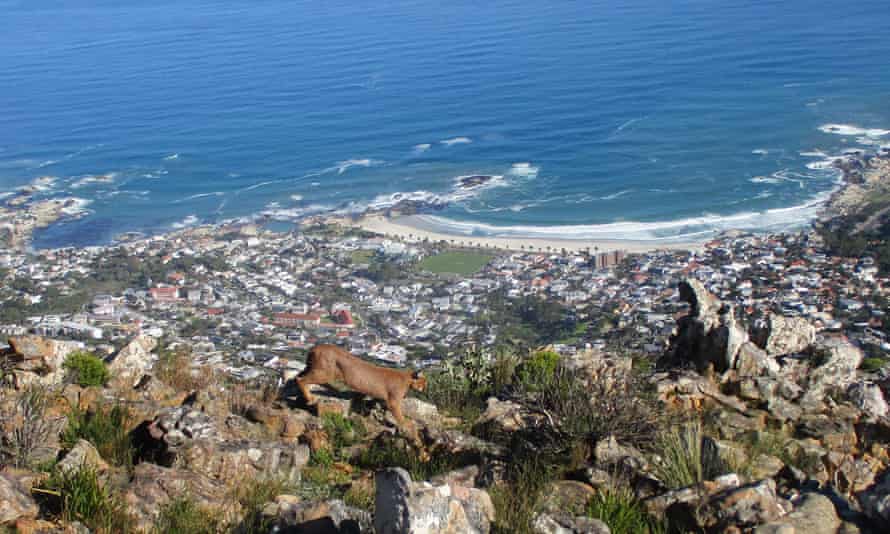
<point>455,262</point>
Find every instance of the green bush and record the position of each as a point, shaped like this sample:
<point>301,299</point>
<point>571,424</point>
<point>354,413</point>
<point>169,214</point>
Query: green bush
<point>537,372</point>
<point>515,500</point>
<point>872,365</point>
<point>342,432</point>
<point>85,369</point>
<point>388,452</point>
<point>183,515</point>
<point>81,497</point>
<point>104,428</point>
<point>622,512</point>
<point>252,497</point>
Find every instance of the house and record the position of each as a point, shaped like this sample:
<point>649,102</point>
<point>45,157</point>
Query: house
<point>296,319</point>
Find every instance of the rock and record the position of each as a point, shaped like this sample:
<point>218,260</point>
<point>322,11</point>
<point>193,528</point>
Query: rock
<point>331,401</point>
<point>82,455</point>
<point>814,514</point>
<point>708,337</point>
<point>765,466</point>
<point>562,523</point>
<point>868,397</point>
<point>753,361</point>
<point>742,507</point>
<point>233,460</point>
<point>836,361</point>
<point>566,495</point>
<point>502,417</point>
<point>780,336</point>
<point>728,453</point>
<point>40,358</point>
<point>133,361</point>
<point>15,501</point>
<point>608,452</point>
<point>154,486</point>
<point>690,496</point>
<point>423,412</point>
<point>403,506</point>
<point>289,514</point>
<point>465,476</point>
<point>782,410</point>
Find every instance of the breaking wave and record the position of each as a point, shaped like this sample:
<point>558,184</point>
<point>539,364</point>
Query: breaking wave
<point>849,129</point>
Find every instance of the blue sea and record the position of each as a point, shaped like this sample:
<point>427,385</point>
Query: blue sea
<point>638,119</point>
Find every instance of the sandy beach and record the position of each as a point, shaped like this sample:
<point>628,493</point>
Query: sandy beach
<point>401,227</point>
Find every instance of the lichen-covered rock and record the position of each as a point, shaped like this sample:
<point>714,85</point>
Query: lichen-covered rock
<point>875,501</point>
<point>563,523</point>
<point>813,514</point>
<point>232,460</point>
<point>38,359</point>
<point>403,506</point>
<point>691,496</point>
<point>15,501</point>
<point>780,336</point>
<point>289,514</point>
<point>504,417</point>
<point>82,455</point>
<point>743,507</point>
<point>836,361</point>
<point>154,486</point>
<point>868,397</point>
<point>133,361</point>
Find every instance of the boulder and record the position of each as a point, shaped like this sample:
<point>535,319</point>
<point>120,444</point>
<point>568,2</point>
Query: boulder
<point>154,486</point>
<point>15,501</point>
<point>689,498</point>
<point>813,514</point>
<point>39,359</point>
<point>403,506</point>
<point>502,416</point>
<point>289,514</point>
<point>780,336</point>
<point>875,501</point>
<point>868,397</point>
<point>563,523</point>
<point>743,507</point>
<point>836,361</point>
<point>752,361</point>
<point>420,411</point>
<point>566,495</point>
<point>608,453</point>
<point>234,460</point>
<point>133,361</point>
<point>82,455</point>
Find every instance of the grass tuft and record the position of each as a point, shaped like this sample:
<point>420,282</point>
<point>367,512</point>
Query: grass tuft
<point>106,429</point>
<point>85,369</point>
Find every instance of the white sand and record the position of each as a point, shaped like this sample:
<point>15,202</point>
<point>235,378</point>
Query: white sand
<point>401,228</point>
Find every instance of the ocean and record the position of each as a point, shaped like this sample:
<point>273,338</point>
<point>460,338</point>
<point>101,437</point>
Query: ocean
<point>638,119</point>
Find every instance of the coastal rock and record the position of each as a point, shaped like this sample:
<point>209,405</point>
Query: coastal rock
<point>403,506</point>
<point>133,361</point>
<point>15,501</point>
<point>779,335</point>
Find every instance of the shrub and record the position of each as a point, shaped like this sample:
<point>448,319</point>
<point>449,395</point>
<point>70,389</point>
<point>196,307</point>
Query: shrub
<point>29,429</point>
<point>85,369</point>
<point>872,365</point>
<point>537,372</point>
<point>106,429</point>
<point>79,496</point>
<point>683,459</point>
<point>174,368</point>
<point>515,500</point>
<point>252,497</point>
<point>622,512</point>
<point>342,432</point>
<point>183,515</point>
<point>360,496</point>
<point>397,453</point>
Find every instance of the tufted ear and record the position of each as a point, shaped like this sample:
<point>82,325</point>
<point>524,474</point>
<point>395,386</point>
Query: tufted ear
<point>417,374</point>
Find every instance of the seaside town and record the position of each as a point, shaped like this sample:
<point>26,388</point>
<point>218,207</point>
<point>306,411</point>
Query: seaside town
<point>250,300</point>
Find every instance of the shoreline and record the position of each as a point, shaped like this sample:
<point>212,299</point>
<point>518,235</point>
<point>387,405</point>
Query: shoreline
<point>400,227</point>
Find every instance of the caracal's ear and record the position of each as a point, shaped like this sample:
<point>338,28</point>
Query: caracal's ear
<point>417,374</point>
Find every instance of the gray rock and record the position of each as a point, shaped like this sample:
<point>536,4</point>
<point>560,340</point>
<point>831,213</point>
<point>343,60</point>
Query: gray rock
<point>868,397</point>
<point>82,455</point>
<point>836,363</point>
<point>403,506</point>
<point>15,501</point>
<point>743,507</point>
<point>133,361</point>
<point>780,336</point>
<point>561,523</point>
<point>814,514</point>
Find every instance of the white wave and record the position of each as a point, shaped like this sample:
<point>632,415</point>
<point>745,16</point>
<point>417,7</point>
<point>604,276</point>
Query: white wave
<point>524,169</point>
<point>315,184</point>
<point>273,205</point>
<point>296,198</point>
<point>760,152</point>
<point>765,180</point>
<point>6,194</point>
<point>456,141</point>
<point>422,147</point>
<point>171,157</point>
<point>199,195</point>
<point>190,220</point>
<point>707,224</point>
<point>619,194</point>
<point>95,179</point>
<point>852,130</point>
<point>344,166</point>
<point>75,207</point>
<point>46,163</point>
<point>762,195</point>
<point>290,214</point>
<point>868,141</point>
<point>814,154</point>
<point>44,183</point>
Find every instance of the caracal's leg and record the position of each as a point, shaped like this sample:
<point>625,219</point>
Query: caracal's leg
<point>406,427</point>
<point>312,377</point>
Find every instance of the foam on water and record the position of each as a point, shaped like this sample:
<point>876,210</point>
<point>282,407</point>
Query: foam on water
<point>190,220</point>
<point>456,141</point>
<point>852,130</point>
<point>171,157</point>
<point>524,169</point>
<point>199,195</point>
<point>423,147</point>
<point>344,166</point>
